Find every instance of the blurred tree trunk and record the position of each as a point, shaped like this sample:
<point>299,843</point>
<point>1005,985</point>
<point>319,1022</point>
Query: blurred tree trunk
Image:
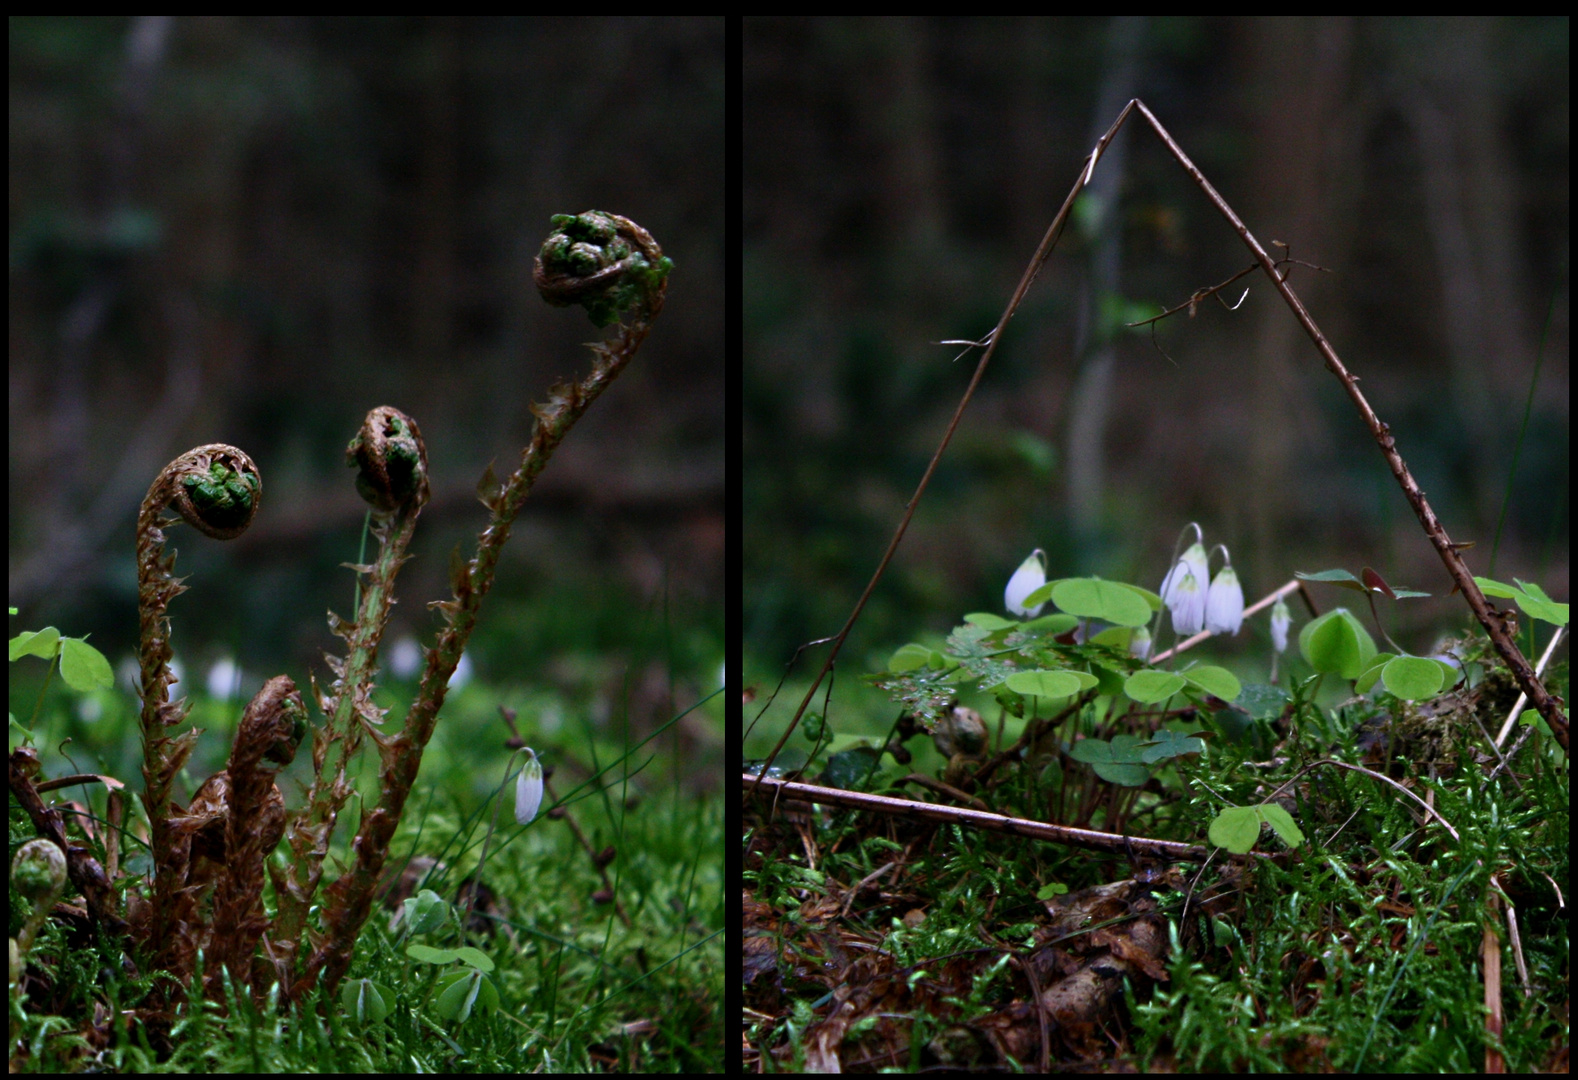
<point>1298,73</point>
<point>1452,103</point>
<point>433,277</point>
<point>1090,402</point>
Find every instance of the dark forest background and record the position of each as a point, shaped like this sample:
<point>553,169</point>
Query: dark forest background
<point>899,174</point>
<point>253,230</point>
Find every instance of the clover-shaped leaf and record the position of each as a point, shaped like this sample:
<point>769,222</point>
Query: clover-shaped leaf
<point>1238,827</point>
<point>426,912</point>
<point>1530,597</point>
<point>365,1001</point>
<point>461,991</point>
<point>1337,644</point>
<point>1047,684</point>
<point>1170,744</point>
<point>1149,686</point>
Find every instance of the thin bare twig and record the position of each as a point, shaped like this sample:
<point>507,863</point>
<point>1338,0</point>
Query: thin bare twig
<point>1048,242</point>
<point>1508,649</point>
<point>1202,294</point>
<point>1456,568</point>
<point>960,815</point>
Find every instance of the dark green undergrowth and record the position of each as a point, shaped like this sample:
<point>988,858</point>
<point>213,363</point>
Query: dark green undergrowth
<point>612,964</point>
<point>1360,948</point>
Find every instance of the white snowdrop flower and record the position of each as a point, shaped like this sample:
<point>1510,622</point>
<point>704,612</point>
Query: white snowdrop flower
<point>528,789</point>
<point>1281,619</point>
<point>405,658</point>
<point>1031,575</point>
<point>224,679</point>
<point>1224,604</point>
<point>462,673</point>
<point>1185,597</point>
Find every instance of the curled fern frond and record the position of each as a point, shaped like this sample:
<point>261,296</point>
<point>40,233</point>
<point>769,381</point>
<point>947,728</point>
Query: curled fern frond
<point>215,488</point>
<point>391,459</point>
<point>605,263</point>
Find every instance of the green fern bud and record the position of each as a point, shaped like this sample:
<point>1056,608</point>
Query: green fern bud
<point>604,262</point>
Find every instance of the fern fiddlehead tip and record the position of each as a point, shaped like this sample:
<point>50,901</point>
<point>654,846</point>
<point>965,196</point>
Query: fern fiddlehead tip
<point>603,262</point>
<point>391,460</point>
<point>216,489</point>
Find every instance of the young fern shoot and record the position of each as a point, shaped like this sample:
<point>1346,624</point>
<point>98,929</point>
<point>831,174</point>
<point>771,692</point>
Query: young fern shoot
<point>216,489</point>
<point>210,857</point>
<point>391,462</point>
<point>616,270</point>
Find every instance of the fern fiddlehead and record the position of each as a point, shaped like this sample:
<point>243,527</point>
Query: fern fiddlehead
<point>616,270</point>
<point>217,490</point>
<point>272,727</point>
<point>221,501</point>
<point>603,262</point>
<point>391,462</point>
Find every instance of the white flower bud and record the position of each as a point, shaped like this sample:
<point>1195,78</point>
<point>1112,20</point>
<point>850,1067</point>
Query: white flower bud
<point>528,789</point>
<point>1030,576</point>
<point>1281,619</point>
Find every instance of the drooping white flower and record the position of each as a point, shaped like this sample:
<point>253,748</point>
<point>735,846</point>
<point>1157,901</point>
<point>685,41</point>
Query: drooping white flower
<point>1197,558</point>
<point>1193,562</point>
<point>224,679</point>
<point>1140,643</point>
<point>1224,604</point>
<point>1185,597</point>
<point>528,789</point>
<point>1281,619</point>
<point>1031,575</point>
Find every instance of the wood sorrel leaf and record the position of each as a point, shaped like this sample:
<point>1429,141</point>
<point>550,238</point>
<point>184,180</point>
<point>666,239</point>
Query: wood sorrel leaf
<point>1336,644</point>
<point>1150,686</point>
<point>1048,684</point>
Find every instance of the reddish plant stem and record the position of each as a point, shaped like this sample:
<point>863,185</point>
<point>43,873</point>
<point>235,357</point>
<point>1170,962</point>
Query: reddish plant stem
<point>350,899</point>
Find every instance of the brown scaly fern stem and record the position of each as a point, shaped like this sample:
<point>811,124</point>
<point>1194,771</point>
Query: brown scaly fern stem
<point>391,460</point>
<point>271,729</point>
<point>577,265</point>
<point>216,489</point>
